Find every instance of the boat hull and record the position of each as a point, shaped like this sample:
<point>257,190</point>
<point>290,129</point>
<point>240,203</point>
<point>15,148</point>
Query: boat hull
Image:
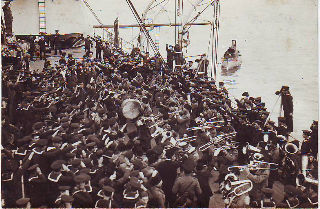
<point>231,63</point>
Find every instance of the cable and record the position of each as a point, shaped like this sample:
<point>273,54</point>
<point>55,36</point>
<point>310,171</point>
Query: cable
<point>272,110</point>
<point>100,22</point>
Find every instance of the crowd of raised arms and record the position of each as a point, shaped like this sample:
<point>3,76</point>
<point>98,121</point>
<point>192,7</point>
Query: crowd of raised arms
<point>120,130</point>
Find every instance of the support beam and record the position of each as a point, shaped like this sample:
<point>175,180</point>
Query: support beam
<point>149,25</point>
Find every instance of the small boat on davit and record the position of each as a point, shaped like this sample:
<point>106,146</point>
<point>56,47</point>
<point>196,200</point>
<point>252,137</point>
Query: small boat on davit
<point>231,59</point>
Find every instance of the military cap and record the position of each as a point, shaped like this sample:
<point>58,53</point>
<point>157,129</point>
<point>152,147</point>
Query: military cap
<point>108,154</point>
<point>22,202</point>
<point>134,183</point>
<point>108,189</point>
<point>75,162</point>
<point>63,188</point>
<point>158,149</point>
<point>112,121</point>
<point>291,190</point>
<point>155,180</point>
<point>131,128</point>
<point>42,142</point>
<point>37,125</point>
<point>245,94</point>
<point>138,165</point>
<point>93,138</point>
<point>101,111</point>
<point>52,108</point>
<point>128,154</point>
<point>75,125</point>
<point>56,139</point>
<point>99,152</point>
<point>86,160</point>
<point>33,167</point>
<point>188,165</point>
<point>91,144</point>
<point>104,181</point>
<point>24,140</point>
<point>134,173</point>
<point>82,178</point>
<point>56,165</point>
<point>65,125</point>
<point>69,108</point>
<point>64,120</point>
<point>307,132</point>
<point>70,155</point>
<point>85,170</point>
<point>66,198</point>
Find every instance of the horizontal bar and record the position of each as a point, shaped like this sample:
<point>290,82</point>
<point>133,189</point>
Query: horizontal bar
<point>149,25</point>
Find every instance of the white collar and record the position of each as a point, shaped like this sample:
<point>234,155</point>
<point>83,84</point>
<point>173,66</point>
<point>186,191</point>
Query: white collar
<point>35,151</point>
<point>54,180</point>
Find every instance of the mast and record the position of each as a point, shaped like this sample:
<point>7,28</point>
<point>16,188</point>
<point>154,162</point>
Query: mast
<point>175,22</point>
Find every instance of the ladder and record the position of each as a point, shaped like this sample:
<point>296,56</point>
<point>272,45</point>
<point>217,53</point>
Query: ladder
<point>42,16</point>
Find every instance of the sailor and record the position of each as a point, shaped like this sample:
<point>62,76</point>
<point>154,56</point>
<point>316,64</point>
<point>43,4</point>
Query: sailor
<point>167,169</point>
<point>98,48</point>
<point>8,18</point>
<point>82,198</point>
<point>23,203</point>
<point>36,186</point>
<point>87,45</point>
<point>170,56</point>
<point>57,43</point>
<point>260,181</point>
<point>287,106</point>
<point>178,56</point>
<point>156,195</point>
<point>42,45</point>
<point>203,175</point>
<point>187,187</point>
<point>107,198</point>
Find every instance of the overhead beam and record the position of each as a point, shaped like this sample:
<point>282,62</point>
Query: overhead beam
<point>149,25</point>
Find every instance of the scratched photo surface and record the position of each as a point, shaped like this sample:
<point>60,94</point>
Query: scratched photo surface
<point>86,139</point>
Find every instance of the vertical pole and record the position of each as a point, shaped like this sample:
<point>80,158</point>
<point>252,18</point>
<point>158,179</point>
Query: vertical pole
<point>175,22</point>
<point>22,182</point>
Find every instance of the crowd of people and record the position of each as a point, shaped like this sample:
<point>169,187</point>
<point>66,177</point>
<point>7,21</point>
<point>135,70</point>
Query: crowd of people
<point>118,131</point>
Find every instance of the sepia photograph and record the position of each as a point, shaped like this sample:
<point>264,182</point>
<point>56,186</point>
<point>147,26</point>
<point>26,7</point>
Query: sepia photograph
<point>159,104</point>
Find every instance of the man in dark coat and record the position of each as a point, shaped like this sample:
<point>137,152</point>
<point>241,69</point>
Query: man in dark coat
<point>57,43</point>
<point>8,18</point>
<point>287,105</point>
<point>87,45</point>
<point>98,49</point>
<point>170,56</point>
<point>168,173</point>
<point>42,45</point>
<point>203,175</point>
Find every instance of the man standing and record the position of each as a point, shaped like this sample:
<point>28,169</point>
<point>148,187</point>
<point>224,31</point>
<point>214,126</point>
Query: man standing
<point>98,48</point>
<point>87,45</point>
<point>287,106</point>
<point>170,56</point>
<point>187,187</point>
<point>7,17</point>
<point>57,43</point>
<point>168,172</point>
<point>42,45</point>
<point>260,180</point>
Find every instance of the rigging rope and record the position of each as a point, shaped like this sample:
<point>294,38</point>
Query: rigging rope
<point>143,28</point>
<point>100,22</point>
